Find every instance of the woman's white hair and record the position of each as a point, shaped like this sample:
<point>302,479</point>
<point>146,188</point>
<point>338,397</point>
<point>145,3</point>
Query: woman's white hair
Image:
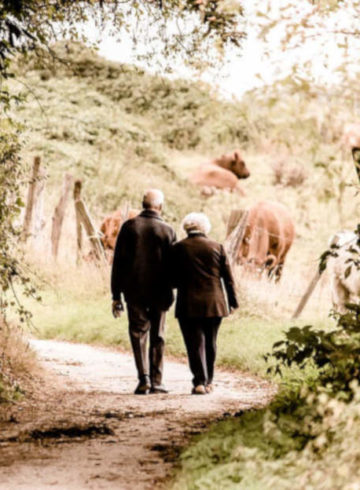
<point>196,222</point>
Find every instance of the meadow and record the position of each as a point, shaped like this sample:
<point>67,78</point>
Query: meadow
<point>121,130</point>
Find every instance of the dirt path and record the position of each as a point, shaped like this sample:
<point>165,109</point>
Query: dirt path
<point>87,429</point>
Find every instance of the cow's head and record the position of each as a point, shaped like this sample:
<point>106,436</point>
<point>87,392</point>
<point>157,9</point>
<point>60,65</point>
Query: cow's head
<point>235,163</point>
<point>255,267</point>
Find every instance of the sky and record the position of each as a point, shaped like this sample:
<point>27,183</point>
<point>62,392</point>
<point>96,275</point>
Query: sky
<point>261,62</point>
<point>239,73</point>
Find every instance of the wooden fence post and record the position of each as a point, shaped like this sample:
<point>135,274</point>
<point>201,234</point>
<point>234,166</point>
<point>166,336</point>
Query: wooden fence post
<point>31,198</point>
<point>307,294</point>
<point>234,240</point>
<point>77,197</point>
<point>90,229</point>
<point>39,220</point>
<point>58,216</point>
<point>234,219</point>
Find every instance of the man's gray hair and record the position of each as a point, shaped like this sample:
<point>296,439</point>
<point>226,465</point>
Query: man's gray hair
<point>196,222</point>
<point>153,198</point>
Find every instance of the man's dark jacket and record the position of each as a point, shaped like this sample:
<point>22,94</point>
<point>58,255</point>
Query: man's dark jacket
<point>202,276</point>
<point>140,269</point>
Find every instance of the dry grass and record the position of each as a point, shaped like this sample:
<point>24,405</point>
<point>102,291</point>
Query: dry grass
<point>18,363</point>
<point>272,301</point>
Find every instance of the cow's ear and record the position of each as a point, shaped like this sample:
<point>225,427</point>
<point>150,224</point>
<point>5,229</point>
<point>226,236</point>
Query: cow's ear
<point>237,155</point>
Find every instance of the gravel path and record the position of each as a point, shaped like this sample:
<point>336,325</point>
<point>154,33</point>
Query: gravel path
<point>86,429</point>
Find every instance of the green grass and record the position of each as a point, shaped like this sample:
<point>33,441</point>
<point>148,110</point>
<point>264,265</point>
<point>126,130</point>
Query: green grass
<point>230,455</point>
<point>266,449</point>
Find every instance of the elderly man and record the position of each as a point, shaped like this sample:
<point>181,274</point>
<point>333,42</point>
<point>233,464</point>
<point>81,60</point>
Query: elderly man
<point>140,273</point>
<point>205,293</point>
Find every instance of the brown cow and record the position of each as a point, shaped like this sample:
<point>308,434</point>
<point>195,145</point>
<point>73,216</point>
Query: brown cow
<point>222,173</point>
<point>110,228</point>
<point>268,237</point>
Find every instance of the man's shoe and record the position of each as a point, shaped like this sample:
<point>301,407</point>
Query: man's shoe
<point>143,387</point>
<point>158,389</point>
<point>199,390</point>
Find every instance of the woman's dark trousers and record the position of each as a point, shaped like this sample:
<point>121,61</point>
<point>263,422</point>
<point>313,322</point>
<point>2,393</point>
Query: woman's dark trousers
<point>200,336</point>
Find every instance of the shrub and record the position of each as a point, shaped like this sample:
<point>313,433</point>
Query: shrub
<point>17,362</point>
<point>288,175</point>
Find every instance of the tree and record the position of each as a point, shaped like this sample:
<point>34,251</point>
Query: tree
<point>28,24</point>
<point>317,40</point>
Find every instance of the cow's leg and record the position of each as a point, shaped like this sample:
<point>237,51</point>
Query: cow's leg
<point>278,271</point>
<point>270,266</point>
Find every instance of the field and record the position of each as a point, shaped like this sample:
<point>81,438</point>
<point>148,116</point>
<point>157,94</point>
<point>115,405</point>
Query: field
<point>121,130</point>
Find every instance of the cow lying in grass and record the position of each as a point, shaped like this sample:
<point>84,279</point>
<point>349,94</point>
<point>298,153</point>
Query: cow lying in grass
<point>221,173</point>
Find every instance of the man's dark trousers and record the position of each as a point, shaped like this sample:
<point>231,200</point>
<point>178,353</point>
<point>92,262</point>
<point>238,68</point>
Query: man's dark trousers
<point>200,336</point>
<point>145,322</point>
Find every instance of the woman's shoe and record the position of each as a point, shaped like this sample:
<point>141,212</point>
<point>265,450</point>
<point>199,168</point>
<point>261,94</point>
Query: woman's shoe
<point>209,388</point>
<point>199,390</point>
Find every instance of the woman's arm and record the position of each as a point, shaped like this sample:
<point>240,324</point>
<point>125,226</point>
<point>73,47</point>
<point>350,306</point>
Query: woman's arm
<point>228,278</point>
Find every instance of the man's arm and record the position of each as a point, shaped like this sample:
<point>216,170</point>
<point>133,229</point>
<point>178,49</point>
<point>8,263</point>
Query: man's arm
<point>117,271</point>
<point>228,278</point>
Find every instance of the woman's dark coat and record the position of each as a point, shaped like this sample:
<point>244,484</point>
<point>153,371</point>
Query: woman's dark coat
<point>202,275</point>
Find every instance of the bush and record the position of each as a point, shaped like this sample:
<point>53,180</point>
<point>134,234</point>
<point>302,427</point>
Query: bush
<point>334,354</point>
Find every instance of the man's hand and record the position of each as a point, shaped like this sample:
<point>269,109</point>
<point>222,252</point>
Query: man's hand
<point>117,308</point>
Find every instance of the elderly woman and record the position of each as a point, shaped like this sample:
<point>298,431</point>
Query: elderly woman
<point>205,294</point>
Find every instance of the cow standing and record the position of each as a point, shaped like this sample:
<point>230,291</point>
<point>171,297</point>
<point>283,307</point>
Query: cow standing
<point>110,228</point>
<point>269,234</point>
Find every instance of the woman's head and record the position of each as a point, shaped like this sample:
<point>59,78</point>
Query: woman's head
<point>196,223</point>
